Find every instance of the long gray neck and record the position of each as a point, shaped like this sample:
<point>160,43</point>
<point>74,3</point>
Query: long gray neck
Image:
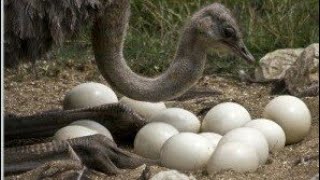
<point>108,38</point>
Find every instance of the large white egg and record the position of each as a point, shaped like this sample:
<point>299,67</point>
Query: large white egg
<point>186,151</point>
<point>145,109</point>
<point>171,175</point>
<point>151,137</point>
<point>272,132</point>
<point>292,114</point>
<point>251,137</point>
<point>213,138</point>
<point>182,120</point>
<point>224,117</point>
<point>235,156</point>
<point>73,131</point>
<point>94,126</point>
<point>89,95</point>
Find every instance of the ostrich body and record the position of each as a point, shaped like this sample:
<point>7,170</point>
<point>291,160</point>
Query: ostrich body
<point>212,27</point>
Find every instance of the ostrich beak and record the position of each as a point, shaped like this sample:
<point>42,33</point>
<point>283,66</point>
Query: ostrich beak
<point>245,54</point>
<point>241,50</point>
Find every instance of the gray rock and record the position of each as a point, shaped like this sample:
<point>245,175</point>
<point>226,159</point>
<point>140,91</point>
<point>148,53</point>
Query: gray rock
<point>297,68</point>
<point>273,66</point>
<point>302,78</point>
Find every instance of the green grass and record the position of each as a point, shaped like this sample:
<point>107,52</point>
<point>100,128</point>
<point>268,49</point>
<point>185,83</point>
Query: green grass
<point>267,25</point>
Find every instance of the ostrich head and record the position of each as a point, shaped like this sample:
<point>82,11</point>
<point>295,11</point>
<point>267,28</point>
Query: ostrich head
<point>219,32</point>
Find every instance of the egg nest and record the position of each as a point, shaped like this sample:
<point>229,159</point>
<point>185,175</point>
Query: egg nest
<point>27,93</point>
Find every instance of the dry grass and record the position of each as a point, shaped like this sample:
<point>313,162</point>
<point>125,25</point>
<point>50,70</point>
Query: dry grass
<point>267,25</point>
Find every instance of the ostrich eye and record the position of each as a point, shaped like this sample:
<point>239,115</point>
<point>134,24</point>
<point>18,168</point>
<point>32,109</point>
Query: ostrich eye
<point>228,32</point>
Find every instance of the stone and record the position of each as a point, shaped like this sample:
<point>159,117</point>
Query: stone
<point>273,66</point>
<point>302,78</point>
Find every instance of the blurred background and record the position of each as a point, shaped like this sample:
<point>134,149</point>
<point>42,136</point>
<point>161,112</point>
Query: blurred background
<point>155,25</point>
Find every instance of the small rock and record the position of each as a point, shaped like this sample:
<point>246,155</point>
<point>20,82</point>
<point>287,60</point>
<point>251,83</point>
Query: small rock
<point>171,175</point>
<point>273,66</point>
<point>304,73</point>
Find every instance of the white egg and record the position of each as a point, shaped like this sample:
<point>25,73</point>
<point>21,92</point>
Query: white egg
<point>145,109</point>
<point>89,95</point>
<point>235,156</point>
<point>171,175</point>
<point>272,132</point>
<point>292,114</point>
<point>94,126</point>
<point>182,120</point>
<point>213,138</point>
<point>186,151</point>
<point>151,137</point>
<point>73,131</point>
<point>251,137</point>
<point>225,117</point>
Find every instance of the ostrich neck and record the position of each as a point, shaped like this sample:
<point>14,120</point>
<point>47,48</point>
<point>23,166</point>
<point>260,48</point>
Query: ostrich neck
<point>108,40</point>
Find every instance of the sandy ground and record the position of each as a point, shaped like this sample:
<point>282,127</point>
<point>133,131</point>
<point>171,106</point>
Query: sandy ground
<point>26,94</point>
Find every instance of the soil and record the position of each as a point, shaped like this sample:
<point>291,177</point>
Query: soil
<point>27,93</point>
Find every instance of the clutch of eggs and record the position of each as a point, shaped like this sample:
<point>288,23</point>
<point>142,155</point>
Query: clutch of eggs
<point>228,133</point>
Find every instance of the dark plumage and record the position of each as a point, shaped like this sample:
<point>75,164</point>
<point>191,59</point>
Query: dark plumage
<point>33,26</point>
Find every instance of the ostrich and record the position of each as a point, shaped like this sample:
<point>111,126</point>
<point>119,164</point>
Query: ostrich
<point>211,28</point>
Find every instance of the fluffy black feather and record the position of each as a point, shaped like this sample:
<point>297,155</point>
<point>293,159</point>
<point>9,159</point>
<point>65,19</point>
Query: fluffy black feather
<point>33,26</point>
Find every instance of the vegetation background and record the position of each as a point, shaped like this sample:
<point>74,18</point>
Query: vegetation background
<point>155,25</point>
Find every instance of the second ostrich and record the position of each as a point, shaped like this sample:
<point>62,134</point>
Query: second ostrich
<point>212,27</point>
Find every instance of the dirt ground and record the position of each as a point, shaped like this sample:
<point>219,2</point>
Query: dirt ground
<point>26,94</point>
